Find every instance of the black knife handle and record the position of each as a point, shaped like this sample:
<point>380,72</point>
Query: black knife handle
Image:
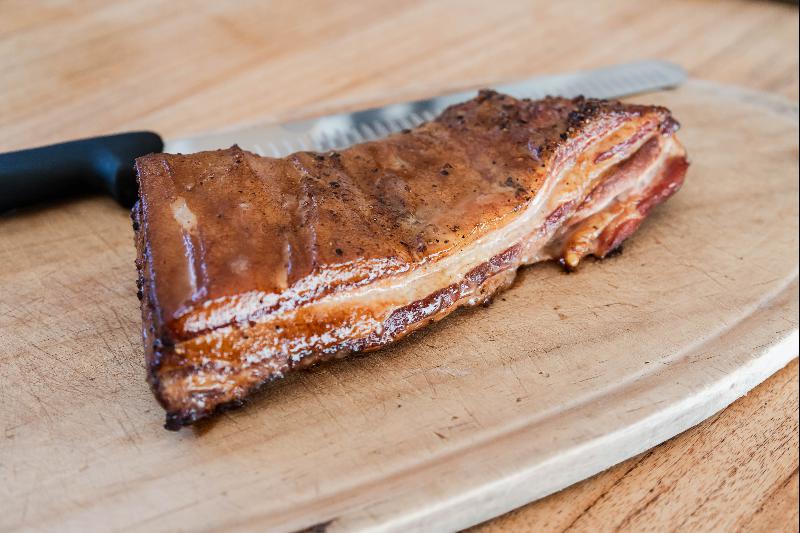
<point>60,170</point>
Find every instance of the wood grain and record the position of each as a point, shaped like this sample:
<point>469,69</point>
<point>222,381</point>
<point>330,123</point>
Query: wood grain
<point>736,471</point>
<point>83,68</point>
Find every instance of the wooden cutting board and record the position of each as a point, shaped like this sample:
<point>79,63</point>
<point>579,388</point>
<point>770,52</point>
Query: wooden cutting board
<point>563,376</point>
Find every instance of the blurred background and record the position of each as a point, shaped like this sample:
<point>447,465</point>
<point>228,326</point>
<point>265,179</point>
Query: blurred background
<point>79,68</point>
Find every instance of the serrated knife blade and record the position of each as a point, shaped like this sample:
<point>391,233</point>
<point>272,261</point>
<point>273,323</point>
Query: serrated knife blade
<point>344,129</point>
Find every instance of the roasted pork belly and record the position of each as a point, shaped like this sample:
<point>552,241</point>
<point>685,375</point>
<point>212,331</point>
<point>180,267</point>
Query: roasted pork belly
<point>251,267</point>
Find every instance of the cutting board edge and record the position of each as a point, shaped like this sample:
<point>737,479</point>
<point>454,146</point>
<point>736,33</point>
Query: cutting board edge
<point>610,449</point>
<point>445,508</point>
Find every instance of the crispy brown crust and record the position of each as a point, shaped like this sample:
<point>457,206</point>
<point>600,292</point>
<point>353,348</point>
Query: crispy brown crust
<point>238,255</point>
<point>484,280</point>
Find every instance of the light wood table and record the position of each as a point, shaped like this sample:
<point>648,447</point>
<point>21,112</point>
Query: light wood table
<point>85,68</point>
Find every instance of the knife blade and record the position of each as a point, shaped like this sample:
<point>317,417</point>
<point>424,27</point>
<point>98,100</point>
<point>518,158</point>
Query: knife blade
<point>344,129</point>
<point>106,163</point>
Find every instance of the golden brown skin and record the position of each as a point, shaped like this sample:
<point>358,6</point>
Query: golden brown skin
<point>250,267</point>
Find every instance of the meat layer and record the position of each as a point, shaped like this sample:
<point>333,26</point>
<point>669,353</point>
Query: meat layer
<point>250,267</point>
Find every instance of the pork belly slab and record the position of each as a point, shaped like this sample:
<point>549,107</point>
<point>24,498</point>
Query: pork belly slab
<point>251,267</point>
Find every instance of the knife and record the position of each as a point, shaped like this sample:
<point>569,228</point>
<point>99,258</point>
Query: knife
<point>106,163</point>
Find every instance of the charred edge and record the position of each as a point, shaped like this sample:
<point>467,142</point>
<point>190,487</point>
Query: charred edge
<point>151,344</point>
<point>621,232</point>
<point>146,304</point>
<point>135,216</point>
<point>401,322</point>
<point>156,339</point>
<point>670,126</point>
<point>566,267</point>
<point>586,110</point>
<point>577,113</point>
<point>614,252</point>
<point>136,222</point>
<point>175,420</point>
<point>155,346</point>
<point>320,527</point>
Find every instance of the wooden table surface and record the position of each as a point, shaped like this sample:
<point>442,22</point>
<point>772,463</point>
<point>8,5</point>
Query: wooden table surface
<point>91,67</point>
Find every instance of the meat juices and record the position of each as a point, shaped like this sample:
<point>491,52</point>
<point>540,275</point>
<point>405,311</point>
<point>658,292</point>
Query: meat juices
<point>250,267</point>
